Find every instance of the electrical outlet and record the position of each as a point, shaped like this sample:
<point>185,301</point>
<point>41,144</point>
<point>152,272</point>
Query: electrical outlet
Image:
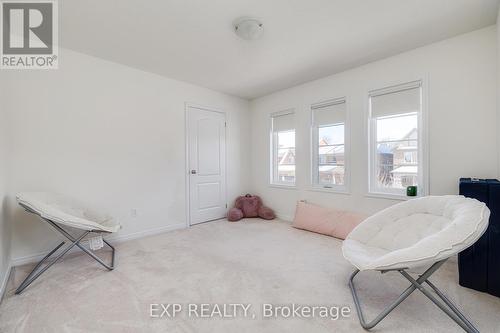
<point>133,212</point>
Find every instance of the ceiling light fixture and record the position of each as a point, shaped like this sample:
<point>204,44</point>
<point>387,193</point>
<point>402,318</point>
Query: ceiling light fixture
<point>248,28</point>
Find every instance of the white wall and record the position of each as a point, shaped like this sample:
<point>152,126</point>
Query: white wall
<point>460,74</point>
<point>112,137</point>
<point>4,227</point>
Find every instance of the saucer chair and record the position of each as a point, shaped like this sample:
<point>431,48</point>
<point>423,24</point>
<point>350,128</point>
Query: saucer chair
<point>416,235</point>
<point>67,217</point>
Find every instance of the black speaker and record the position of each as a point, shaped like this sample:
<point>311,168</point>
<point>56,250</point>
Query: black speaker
<point>494,240</point>
<point>479,265</point>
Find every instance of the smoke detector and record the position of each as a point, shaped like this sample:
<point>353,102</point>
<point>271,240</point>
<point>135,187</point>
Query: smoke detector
<point>248,28</point>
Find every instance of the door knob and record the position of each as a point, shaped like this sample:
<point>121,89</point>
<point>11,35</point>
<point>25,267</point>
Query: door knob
<point>193,172</point>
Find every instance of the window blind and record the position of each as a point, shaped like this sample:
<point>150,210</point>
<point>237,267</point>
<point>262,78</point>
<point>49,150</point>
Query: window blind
<point>283,122</point>
<point>388,103</point>
<point>329,114</point>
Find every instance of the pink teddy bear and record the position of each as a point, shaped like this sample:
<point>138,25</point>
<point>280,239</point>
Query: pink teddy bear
<point>249,206</point>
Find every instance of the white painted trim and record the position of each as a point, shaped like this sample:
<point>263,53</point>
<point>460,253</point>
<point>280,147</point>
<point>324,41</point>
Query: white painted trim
<point>425,136</point>
<point>32,258</point>
<point>396,87</point>
<point>283,112</point>
<point>146,233</point>
<point>188,105</point>
<point>3,286</point>
<point>186,165</point>
<point>388,196</point>
<point>284,217</point>
<point>334,190</point>
<point>283,186</point>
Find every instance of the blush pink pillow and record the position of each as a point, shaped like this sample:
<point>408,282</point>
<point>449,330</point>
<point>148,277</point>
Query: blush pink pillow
<point>331,222</point>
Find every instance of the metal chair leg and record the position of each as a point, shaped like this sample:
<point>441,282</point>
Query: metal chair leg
<point>87,251</point>
<point>384,313</point>
<point>112,254</point>
<point>450,304</point>
<point>449,308</point>
<point>20,288</point>
<point>32,276</point>
<point>452,312</point>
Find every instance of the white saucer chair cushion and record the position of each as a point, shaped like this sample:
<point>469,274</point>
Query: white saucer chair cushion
<point>416,233</point>
<point>62,210</point>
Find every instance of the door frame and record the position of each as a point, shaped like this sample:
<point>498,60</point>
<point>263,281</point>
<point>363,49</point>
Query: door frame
<point>188,105</point>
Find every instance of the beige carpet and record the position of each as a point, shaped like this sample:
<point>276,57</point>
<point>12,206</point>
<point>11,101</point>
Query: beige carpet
<point>252,261</point>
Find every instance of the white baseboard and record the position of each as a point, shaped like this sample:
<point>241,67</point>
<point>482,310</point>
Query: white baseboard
<point>146,233</point>
<point>32,258</point>
<point>5,280</point>
<point>284,217</point>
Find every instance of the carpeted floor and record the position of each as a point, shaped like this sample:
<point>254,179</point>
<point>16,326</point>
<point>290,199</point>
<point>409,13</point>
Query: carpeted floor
<point>251,262</point>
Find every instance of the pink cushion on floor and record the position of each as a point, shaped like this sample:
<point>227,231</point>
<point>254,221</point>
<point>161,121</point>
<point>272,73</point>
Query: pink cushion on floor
<point>331,222</point>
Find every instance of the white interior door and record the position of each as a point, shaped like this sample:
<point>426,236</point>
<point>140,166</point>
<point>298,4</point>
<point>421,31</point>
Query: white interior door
<point>207,164</point>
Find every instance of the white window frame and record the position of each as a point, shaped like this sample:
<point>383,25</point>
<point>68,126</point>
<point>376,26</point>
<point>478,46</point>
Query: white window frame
<point>315,184</point>
<point>423,175</point>
<point>273,150</point>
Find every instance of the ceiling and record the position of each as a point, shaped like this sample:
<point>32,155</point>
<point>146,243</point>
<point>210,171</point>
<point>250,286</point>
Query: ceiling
<point>193,40</point>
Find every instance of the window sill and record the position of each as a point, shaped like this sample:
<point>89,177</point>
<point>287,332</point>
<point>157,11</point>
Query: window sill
<point>400,197</point>
<point>283,186</point>
<point>329,190</point>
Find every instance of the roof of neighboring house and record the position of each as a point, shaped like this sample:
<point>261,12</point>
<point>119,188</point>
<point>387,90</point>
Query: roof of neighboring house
<point>323,142</point>
<point>406,169</point>
<point>408,148</point>
<point>384,149</point>
<point>324,150</point>
<point>287,167</point>
<point>329,168</point>
<point>408,135</point>
<point>288,154</point>
<point>389,148</point>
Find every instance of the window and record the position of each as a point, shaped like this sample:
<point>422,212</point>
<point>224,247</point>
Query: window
<point>283,148</point>
<point>328,145</point>
<point>395,139</point>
